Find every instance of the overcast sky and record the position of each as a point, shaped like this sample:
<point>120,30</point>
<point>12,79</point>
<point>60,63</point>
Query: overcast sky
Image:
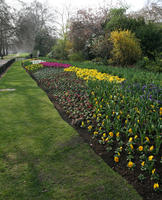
<point>134,4</point>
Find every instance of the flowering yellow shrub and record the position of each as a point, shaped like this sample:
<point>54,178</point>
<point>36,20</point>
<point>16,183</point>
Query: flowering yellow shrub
<point>93,74</point>
<point>126,48</point>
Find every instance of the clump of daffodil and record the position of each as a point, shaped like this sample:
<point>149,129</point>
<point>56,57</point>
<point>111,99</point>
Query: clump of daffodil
<point>117,134</point>
<point>95,133</point>
<point>82,124</point>
<point>140,148</point>
<point>116,159</point>
<point>131,146</point>
<point>130,164</point>
<point>121,148</point>
<point>130,139</point>
<point>90,128</point>
<point>135,137</point>
<point>150,158</point>
<point>147,139</point>
<point>111,134</point>
<point>151,148</point>
<point>156,186</point>
<point>104,134</point>
<point>153,171</point>
<point>160,110</point>
<point>130,130</point>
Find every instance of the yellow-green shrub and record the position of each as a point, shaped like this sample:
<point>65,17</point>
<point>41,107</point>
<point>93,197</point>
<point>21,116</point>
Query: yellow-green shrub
<point>126,47</point>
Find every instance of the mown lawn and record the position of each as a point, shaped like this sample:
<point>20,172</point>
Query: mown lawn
<point>41,156</point>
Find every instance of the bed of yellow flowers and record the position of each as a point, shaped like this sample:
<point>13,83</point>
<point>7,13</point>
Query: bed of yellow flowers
<point>33,67</point>
<point>93,74</point>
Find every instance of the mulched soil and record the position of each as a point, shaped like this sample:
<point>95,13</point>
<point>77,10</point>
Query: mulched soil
<point>143,188</point>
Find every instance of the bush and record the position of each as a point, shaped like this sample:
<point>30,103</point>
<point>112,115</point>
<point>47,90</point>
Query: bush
<point>126,48</point>
<point>98,60</point>
<point>101,47</point>
<point>88,62</point>
<point>150,36</point>
<point>78,56</point>
<point>59,51</point>
<point>118,20</point>
<point>143,62</point>
<point>150,65</point>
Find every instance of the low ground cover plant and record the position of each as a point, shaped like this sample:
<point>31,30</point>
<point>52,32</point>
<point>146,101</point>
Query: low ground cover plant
<point>122,115</point>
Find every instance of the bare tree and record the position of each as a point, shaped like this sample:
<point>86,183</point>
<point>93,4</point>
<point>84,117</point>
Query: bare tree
<point>152,11</point>
<point>85,25</point>
<point>7,28</point>
<point>32,19</point>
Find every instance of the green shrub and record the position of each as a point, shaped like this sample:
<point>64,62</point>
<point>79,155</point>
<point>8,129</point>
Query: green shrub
<point>78,56</point>
<point>143,62</point>
<point>118,20</point>
<point>126,48</point>
<point>150,36</point>
<point>155,66</point>
<point>151,65</point>
<point>98,60</point>
<point>88,62</point>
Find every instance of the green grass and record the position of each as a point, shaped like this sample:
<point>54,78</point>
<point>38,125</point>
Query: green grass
<point>42,157</point>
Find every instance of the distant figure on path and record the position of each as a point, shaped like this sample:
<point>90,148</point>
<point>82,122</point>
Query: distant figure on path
<point>31,55</point>
<point>38,53</point>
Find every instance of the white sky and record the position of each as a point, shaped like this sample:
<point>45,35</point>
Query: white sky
<point>134,4</point>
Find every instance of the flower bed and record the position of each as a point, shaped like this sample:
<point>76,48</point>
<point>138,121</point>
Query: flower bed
<point>123,117</point>
<point>126,120</point>
<point>38,64</point>
<point>129,124</point>
<point>93,74</point>
<point>55,64</point>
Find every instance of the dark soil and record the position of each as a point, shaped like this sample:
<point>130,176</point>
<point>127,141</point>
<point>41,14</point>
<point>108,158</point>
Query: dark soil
<point>145,189</point>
